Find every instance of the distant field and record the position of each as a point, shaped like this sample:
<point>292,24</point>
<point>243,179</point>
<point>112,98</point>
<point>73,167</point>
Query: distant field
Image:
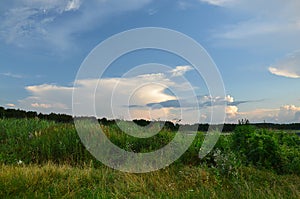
<point>42,159</point>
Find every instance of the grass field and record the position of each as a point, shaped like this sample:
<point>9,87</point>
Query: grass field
<point>58,181</point>
<point>44,159</point>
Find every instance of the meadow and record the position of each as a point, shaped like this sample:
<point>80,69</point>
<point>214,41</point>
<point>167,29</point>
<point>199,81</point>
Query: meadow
<point>41,159</point>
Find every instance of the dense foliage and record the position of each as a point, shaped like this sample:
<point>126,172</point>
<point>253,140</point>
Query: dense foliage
<point>267,149</point>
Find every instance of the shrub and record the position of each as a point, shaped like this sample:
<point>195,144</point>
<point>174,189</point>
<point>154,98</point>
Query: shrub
<point>257,146</point>
<point>267,149</point>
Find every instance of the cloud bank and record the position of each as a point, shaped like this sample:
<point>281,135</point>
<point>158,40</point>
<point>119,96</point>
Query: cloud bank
<point>114,96</point>
<point>151,96</point>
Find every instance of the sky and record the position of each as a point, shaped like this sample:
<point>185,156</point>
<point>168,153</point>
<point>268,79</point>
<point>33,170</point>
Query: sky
<point>254,44</point>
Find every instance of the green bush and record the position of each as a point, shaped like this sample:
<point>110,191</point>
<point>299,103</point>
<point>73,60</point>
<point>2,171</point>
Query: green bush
<point>267,149</point>
<point>289,152</point>
<point>256,146</point>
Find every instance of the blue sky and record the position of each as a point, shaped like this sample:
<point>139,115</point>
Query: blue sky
<point>255,45</point>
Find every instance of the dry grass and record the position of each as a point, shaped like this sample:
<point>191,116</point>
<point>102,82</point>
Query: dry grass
<point>62,181</point>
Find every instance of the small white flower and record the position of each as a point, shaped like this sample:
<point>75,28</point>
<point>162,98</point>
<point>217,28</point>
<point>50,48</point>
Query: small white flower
<point>30,136</point>
<point>20,162</point>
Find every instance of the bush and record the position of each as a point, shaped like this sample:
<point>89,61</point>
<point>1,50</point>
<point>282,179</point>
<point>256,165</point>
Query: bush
<point>267,149</point>
<point>259,147</point>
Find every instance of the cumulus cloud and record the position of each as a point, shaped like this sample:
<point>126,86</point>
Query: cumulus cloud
<point>150,96</point>
<point>283,114</point>
<point>232,112</point>
<point>48,98</point>
<point>288,67</point>
<point>288,113</point>
<point>115,97</point>
<point>145,96</point>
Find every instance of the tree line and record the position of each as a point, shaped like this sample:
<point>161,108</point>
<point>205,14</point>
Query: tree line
<point>20,114</point>
<point>64,118</point>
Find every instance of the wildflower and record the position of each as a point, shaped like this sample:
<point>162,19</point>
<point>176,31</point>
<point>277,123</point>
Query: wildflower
<point>30,136</point>
<point>20,162</point>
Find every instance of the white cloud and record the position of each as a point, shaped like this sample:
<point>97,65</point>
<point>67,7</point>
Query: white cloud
<point>284,114</point>
<point>46,87</point>
<point>229,98</point>
<point>231,112</point>
<point>288,67</point>
<point>48,98</point>
<point>73,5</point>
<point>288,113</point>
<point>129,98</point>
<point>251,28</point>
<point>283,72</point>
<point>218,2</point>
<point>53,23</point>
<point>37,105</point>
<point>8,74</point>
<point>113,96</point>
<point>180,70</point>
<point>10,105</point>
<point>29,20</point>
<point>48,106</point>
<point>278,26</point>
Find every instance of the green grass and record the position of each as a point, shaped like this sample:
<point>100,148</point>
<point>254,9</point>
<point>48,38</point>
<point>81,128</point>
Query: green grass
<point>41,159</point>
<point>64,181</point>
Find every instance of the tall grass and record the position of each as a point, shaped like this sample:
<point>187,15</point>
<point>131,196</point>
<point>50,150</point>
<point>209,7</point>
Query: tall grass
<point>38,141</point>
<point>52,181</point>
<point>46,159</point>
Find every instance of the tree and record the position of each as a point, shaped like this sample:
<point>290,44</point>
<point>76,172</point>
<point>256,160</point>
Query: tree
<point>2,112</point>
<point>243,122</point>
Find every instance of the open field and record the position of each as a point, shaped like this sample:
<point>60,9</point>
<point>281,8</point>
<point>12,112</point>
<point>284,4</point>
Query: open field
<point>46,159</point>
